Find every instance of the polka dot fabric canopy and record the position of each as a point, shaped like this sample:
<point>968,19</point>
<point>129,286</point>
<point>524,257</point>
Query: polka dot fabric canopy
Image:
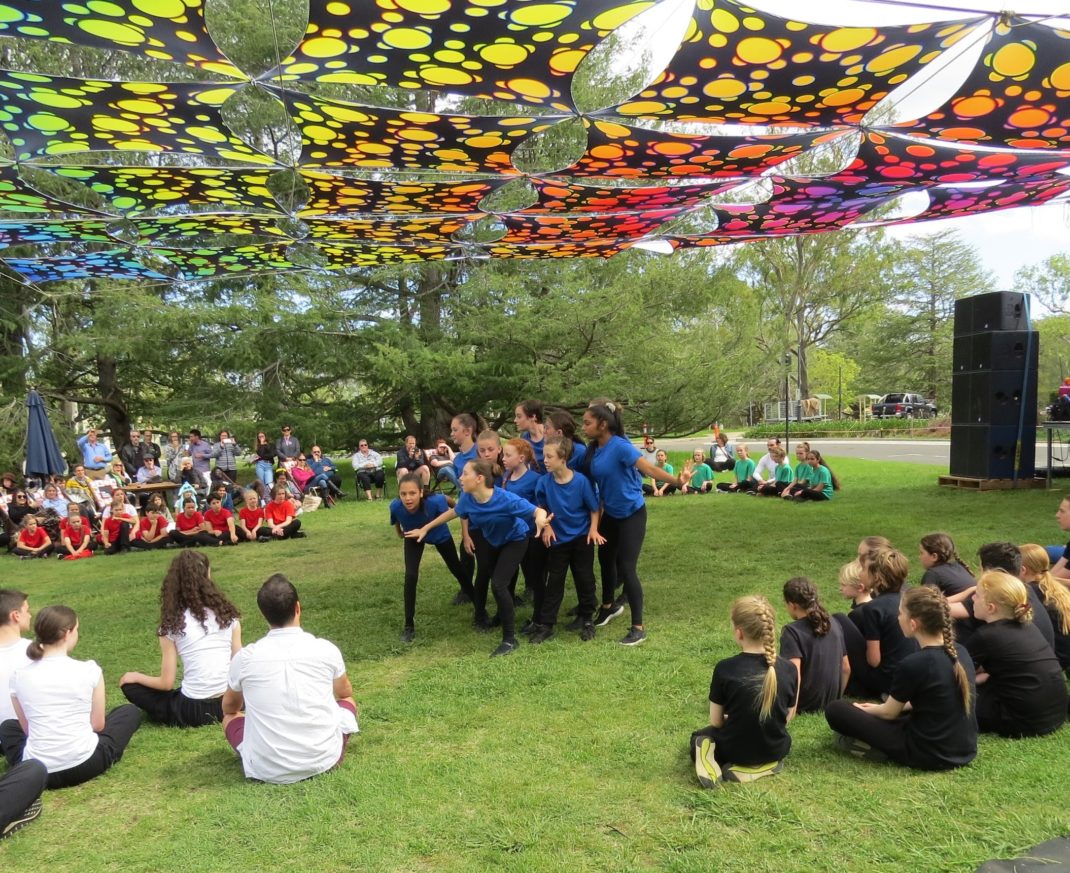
<point>147,180</point>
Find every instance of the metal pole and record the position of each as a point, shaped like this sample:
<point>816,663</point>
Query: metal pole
<point>787,404</point>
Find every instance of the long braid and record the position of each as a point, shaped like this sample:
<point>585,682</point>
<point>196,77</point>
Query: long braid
<point>803,593</point>
<point>949,646</point>
<point>755,618</point>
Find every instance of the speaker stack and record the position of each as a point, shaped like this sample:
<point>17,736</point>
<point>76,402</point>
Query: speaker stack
<point>994,388</point>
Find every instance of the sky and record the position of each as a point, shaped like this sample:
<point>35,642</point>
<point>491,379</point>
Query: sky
<point>1007,240</point>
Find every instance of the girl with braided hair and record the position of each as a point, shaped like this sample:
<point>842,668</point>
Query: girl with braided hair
<point>814,643</point>
<point>200,627</point>
<point>1020,686</point>
<point>1036,574</point>
<point>939,731</point>
<point>752,699</point>
<point>944,569</point>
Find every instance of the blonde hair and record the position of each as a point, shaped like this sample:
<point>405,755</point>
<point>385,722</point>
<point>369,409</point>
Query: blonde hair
<point>851,574</point>
<point>1004,590</point>
<point>754,617</point>
<point>1035,559</point>
<point>928,607</point>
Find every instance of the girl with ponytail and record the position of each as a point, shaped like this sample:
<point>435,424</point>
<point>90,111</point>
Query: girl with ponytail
<point>944,569</point>
<point>464,428</point>
<point>59,707</point>
<point>1020,686</point>
<point>814,643</point>
<point>752,699</point>
<point>939,731</point>
<point>1036,574</point>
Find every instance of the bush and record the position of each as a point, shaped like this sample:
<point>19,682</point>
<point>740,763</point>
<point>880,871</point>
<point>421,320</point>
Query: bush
<point>848,428</point>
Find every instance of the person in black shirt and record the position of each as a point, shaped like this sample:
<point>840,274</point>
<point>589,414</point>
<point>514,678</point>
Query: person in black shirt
<point>939,731</point>
<point>884,570</point>
<point>1036,574</point>
<point>1020,687</point>
<point>814,644</point>
<point>944,569</point>
<point>752,699</point>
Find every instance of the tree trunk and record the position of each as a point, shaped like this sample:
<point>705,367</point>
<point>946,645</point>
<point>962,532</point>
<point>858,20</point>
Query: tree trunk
<point>116,415</point>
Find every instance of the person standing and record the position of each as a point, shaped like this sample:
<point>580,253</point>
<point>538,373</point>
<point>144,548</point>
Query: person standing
<point>131,454</point>
<point>287,446</point>
<point>528,418</point>
<point>202,452</point>
<point>226,451</point>
<point>96,457</point>
<point>288,710</point>
<point>150,447</point>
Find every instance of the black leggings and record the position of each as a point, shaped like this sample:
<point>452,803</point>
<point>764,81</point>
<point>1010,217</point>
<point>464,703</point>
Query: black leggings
<point>888,736</point>
<point>809,494</point>
<point>26,553</point>
<point>200,538</point>
<point>119,727</point>
<point>771,489</point>
<point>414,552</point>
<point>500,564</point>
<point>619,557</point>
<point>738,487</point>
<point>63,550</point>
<point>865,681</point>
<point>144,545</point>
<point>173,708</point>
<point>577,555</point>
<point>534,569</point>
<point>20,786</point>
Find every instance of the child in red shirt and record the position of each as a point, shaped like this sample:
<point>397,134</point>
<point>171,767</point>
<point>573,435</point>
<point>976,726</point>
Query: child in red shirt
<point>34,541</point>
<point>280,518</point>
<point>251,519</point>
<point>76,539</point>
<point>152,529</point>
<point>189,527</point>
<point>220,522</point>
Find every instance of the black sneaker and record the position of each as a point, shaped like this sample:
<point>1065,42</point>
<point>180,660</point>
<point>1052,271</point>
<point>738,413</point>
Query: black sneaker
<point>300,535</point>
<point>576,624</point>
<point>605,616</point>
<point>587,632</point>
<point>634,637</point>
<point>507,647</point>
<point>859,749</point>
<point>622,600</point>
<point>408,634</point>
<point>460,599</point>
<point>542,633</point>
<point>29,814</point>
<point>481,623</point>
<point>264,539</point>
<point>529,627</point>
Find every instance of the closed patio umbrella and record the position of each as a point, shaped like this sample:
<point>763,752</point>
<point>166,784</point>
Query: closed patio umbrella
<point>43,456</point>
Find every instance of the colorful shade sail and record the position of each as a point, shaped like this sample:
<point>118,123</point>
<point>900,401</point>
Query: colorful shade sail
<point>336,134</point>
<point>15,233</point>
<point>621,151</point>
<point>525,230</point>
<point>401,231</point>
<point>338,195</point>
<point>343,257</point>
<point>55,115</point>
<point>1017,96</point>
<point>590,249</point>
<point>17,196</point>
<point>559,196</point>
<point>957,202</point>
<point>524,50</point>
<point>140,189</point>
<point>163,30</point>
<point>116,264</point>
<point>737,65</point>
<point>193,226</point>
<point>202,263</point>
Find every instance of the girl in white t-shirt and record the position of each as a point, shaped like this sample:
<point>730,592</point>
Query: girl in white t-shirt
<point>199,626</point>
<point>59,705</point>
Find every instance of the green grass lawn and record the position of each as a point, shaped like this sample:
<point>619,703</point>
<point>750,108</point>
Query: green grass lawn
<point>565,756</point>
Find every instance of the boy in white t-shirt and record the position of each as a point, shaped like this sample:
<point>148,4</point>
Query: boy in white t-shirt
<point>297,699</point>
<point>14,622</point>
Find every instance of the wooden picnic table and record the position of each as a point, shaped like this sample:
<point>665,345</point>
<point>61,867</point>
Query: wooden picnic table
<point>149,487</point>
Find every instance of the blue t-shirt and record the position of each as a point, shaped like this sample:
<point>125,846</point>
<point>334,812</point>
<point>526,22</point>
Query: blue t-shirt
<point>579,452</point>
<point>619,484</point>
<point>502,519</point>
<point>537,448</point>
<point>431,507</point>
<point>524,487</point>
<point>571,505</point>
<point>462,458</point>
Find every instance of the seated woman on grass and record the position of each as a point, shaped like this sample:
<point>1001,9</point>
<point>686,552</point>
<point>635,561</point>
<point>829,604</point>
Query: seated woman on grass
<point>743,470</point>
<point>200,627</point>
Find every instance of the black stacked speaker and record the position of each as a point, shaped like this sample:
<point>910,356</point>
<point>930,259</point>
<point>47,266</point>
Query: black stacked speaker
<point>994,388</point>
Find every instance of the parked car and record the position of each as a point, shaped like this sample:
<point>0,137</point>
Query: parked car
<point>903,405</point>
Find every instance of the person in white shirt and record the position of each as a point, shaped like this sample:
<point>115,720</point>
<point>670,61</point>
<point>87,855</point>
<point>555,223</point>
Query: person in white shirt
<point>297,699</point>
<point>200,627</point>
<point>765,471</point>
<point>59,708</point>
<point>368,467</point>
<point>14,622</point>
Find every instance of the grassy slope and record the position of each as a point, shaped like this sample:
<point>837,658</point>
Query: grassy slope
<point>568,756</point>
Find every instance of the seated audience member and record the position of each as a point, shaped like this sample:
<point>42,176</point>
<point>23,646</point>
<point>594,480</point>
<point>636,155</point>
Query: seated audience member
<point>883,572</point>
<point>722,455</point>
<point>75,536</point>
<point>96,457</point>
<point>301,473</point>
<point>20,507</point>
<point>413,460</point>
<point>743,470</point>
<point>782,476</point>
<point>368,468</point>
<point>822,482</point>
<point>802,471</point>
<point>153,531</point>
<point>1036,574</point>
<point>297,699</point>
<point>284,480</point>
<point>1020,687</point>
<point>128,508</point>
<point>280,517</point>
<point>222,491</point>
<point>80,490</point>
<point>54,501</point>
<point>656,488</point>
<point>441,460</point>
<point>117,475</point>
<point>939,730</point>
<point>20,796</point>
<point>765,469</point>
<point>120,527</point>
<point>159,503</point>
<point>190,528</point>
<point>250,525</point>
<point>700,480</point>
<point>326,473</point>
<point>1061,570</point>
<point>59,705</point>
<point>649,449</point>
<point>148,472</point>
<point>33,540</point>
<point>944,569</point>
<point>813,642</point>
<point>14,622</point>
<point>9,484</point>
<point>200,627</point>
<point>219,522</point>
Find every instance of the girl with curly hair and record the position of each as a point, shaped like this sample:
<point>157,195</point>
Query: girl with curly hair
<point>199,625</point>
